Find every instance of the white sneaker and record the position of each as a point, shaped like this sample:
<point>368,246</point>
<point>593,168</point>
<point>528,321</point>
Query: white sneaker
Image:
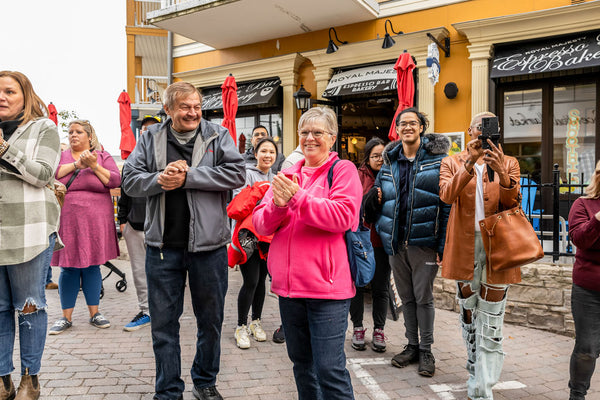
<point>241,337</point>
<point>257,331</point>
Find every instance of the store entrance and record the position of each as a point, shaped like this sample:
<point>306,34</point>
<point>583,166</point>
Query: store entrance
<point>362,119</point>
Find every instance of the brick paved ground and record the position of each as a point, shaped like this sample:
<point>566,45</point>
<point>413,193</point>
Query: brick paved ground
<point>88,363</point>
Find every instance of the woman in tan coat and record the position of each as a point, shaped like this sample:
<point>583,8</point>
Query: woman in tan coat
<point>481,293</point>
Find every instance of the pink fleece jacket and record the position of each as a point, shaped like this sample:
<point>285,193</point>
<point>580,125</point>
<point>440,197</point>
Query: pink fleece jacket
<point>308,257</point>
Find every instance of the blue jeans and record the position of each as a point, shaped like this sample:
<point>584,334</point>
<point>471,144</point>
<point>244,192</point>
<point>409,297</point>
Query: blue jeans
<point>315,331</point>
<point>585,305</point>
<point>71,279</point>
<point>167,270</point>
<point>23,285</point>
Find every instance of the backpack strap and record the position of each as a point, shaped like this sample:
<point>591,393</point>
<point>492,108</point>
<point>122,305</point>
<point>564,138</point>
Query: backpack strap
<point>330,173</point>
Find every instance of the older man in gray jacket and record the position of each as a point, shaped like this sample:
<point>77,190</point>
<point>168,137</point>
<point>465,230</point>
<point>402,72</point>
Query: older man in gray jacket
<point>185,166</point>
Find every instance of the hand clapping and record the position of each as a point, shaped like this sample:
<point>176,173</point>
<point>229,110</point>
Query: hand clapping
<point>283,189</point>
<point>174,175</point>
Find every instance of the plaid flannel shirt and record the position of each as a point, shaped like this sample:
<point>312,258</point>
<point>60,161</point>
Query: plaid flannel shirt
<point>29,212</point>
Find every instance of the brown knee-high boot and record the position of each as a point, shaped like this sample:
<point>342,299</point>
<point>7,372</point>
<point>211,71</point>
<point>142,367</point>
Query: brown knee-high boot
<point>7,389</point>
<point>29,388</point>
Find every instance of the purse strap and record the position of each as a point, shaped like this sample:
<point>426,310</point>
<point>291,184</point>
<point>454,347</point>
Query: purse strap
<point>72,178</point>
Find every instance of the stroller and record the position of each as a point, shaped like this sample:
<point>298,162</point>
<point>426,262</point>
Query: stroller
<point>120,285</point>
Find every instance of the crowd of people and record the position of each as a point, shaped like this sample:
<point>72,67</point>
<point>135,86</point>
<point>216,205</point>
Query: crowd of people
<point>184,184</point>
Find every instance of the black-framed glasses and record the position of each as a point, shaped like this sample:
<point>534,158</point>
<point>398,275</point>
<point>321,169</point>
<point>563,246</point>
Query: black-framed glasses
<point>315,134</point>
<point>376,157</point>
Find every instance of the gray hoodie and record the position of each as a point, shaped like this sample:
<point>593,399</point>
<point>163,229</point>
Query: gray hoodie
<point>253,175</point>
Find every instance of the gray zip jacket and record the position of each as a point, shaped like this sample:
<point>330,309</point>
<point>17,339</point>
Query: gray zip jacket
<point>217,167</point>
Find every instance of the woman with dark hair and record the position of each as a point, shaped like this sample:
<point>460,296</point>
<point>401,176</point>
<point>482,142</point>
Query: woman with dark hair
<point>367,172</point>
<point>248,249</point>
<point>29,154</point>
<point>584,229</point>
<point>87,223</point>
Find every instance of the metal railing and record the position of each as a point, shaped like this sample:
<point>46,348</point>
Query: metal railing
<point>549,215</point>
<point>168,3</point>
<point>142,8</point>
<point>149,89</point>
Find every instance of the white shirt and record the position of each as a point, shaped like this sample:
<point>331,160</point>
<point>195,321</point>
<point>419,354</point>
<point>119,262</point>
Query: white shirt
<point>479,208</point>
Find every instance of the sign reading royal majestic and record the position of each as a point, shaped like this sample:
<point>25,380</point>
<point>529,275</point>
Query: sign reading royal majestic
<point>547,55</point>
<point>377,78</point>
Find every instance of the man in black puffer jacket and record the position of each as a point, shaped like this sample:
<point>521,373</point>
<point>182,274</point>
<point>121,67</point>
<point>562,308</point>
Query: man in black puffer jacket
<point>411,221</point>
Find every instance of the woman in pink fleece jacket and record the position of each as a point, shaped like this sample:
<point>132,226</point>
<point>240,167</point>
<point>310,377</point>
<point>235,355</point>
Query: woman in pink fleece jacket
<point>308,261</point>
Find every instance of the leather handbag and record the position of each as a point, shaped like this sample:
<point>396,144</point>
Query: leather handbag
<point>509,240</point>
<point>60,191</point>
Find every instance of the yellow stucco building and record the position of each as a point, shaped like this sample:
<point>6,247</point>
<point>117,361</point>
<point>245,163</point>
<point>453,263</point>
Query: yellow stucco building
<point>535,63</point>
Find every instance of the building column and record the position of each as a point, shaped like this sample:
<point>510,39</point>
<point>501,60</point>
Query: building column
<point>322,76</point>
<point>289,117</point>
<point>425,91</point>
<point>480,55</point>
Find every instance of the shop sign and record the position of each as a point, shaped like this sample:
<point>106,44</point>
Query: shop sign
<point>378,78</point>
<point>550,54</point>
<point>249,94</point>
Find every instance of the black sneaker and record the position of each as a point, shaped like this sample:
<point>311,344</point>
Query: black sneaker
<point>426,363</point>
<point>278,335</point>
<point>408,356</point>
<point>207,393</point>
<point>99,321</point>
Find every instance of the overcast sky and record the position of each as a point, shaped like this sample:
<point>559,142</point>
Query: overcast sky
<point>74,53</point>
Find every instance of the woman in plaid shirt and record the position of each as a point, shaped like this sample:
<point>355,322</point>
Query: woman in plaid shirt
<point>29,213</point>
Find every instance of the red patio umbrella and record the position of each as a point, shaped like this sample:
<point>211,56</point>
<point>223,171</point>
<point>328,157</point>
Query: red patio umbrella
<point>406,88</point>
<point>52,113</point>
<point>230,105</point>
<point>127,138</point>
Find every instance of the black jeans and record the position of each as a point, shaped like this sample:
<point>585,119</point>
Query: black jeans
<point>379,290</point>
<point>585,305</point>
<point>252,292</point>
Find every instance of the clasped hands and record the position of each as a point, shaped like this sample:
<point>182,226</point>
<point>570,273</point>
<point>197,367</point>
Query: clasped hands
<point>284,189</point>
<point>174,175</point>
<point>88,158</point>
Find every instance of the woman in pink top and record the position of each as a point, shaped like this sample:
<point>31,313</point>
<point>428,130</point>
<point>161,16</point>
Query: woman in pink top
<point>308,260</point>
<point>87,223</point>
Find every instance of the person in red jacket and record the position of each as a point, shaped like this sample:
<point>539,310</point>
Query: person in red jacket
<point>584,229</point>
<point>248,248</point>
<point>381,280</point>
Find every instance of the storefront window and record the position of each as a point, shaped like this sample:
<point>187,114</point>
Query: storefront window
<point>523,129</point>
<point>575,131</point>
<point>274,124</point>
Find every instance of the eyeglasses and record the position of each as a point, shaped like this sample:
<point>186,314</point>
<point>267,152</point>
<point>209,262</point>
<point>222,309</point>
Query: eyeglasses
<point>315,134</point>
<point>477,127</point>
<point>412,124</point>
<point>376,157</point>
<point>259,134</point>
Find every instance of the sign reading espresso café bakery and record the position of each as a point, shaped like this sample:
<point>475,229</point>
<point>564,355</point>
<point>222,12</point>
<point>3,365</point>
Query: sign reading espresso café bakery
<point>550,54</point>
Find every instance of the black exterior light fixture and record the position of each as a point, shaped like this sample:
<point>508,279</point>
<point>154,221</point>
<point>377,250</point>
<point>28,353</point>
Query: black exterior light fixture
<point>445,47</point>
<point>302,97</point>
<point>332,47</point>
<point>387,40</point>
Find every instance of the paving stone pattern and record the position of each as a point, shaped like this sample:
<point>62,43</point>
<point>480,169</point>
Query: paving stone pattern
<point>111,364</point>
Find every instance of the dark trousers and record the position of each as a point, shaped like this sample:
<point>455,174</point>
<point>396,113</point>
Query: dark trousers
<point>585,305</point>
<point>315,331</point>
<point>167,270</point>
<point>252,292</point>
<point>380,286</point>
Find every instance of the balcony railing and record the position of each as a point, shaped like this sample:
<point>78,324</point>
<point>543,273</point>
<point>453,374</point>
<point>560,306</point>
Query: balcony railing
<point>142,8</point>
<point>149,89</point>
<point>168,3</point>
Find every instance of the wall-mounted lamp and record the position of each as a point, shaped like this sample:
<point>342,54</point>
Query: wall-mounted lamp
<point>302,97</point>
<point>445,47</point>
<point>387,40</point>
<point>332,47</point>
<point>451,90</point>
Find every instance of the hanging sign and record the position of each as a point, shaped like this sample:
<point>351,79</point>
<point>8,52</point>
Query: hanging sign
<point>550,54</point>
